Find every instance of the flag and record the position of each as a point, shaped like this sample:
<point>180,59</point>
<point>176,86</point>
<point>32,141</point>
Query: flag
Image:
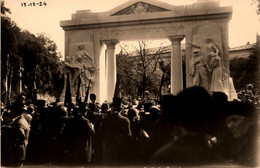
<point>68,100</point>
<point>34,91</point>
<point>87,92</point>
<point>20,79</point>
<point>116,92</point>
<point>78,96</point>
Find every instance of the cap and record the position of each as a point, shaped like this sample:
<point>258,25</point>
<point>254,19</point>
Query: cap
<point>195,50</point>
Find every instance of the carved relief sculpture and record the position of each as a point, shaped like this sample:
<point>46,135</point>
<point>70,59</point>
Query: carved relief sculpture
<point>213,65</point>
<point>198,69</point>
<point>82,64</point>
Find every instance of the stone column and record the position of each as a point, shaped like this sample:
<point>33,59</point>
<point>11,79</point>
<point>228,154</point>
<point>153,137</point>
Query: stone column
<point>111,68</point>
<point>225,45</point>
<point>176,64</point>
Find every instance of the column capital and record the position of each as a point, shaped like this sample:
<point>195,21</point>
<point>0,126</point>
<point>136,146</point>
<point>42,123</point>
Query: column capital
<point>176,38</point>
<point>111,43</point>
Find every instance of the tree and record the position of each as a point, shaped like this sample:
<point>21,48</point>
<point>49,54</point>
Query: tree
<point>257,2</point>
<point>37,55</point>
<point>137,68</point>
<point>245,70</point>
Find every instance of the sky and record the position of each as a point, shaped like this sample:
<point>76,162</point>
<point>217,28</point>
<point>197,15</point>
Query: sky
<point>243,26</point>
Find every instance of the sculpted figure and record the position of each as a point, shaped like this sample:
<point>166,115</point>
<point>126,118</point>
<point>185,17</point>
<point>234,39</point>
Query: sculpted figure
<point>216,68</point>
<point>85,63</point>
<point>198,69</point>
<point>211,46</point>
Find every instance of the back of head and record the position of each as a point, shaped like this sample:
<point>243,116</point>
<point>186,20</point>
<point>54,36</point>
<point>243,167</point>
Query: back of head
<point>116,104</point>
<point>168,105</point>
<point>104,107</point>
<point>76,112</point>
<point>196,109</point>
<point>92,97</point>
<point>154,111</point>
<point>132,113</point>
<point>244,109</point>
<point>220,98</point>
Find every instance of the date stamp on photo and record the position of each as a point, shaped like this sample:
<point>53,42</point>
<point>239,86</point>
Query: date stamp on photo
<point>32,4</point>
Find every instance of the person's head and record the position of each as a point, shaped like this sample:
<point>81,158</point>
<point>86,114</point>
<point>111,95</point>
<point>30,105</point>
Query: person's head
<point>249,86</point>
<point>92,107</point>
<point>20,100</point>
<point>76,112</point>
<point>154,111</point>
<point>133,114</point>
<point>167,104</point>
<point>30,109</point>
<point>7,117</point>
<point>92,97</point>
<point>220,98</point>
<point>196,110</point>
<point>146,94</point>
<point>104,107</point>
<point>116,104</point>
<point>240,116</point>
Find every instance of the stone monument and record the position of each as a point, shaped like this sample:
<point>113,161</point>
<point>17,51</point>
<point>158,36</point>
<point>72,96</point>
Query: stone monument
<point>145,20</point>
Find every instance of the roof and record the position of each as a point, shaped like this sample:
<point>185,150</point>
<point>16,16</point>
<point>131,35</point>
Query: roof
<point>244,47</point>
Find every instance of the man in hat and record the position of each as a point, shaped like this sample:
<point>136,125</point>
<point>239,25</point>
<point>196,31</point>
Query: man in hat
<point>198,69</point>
<point>242,121</point>
<point>116,135</point>
<point>77,136</point>
<point>20,129</point>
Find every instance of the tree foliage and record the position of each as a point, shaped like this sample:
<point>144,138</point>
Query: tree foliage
<point>37,54</point>
<point>257,2</point>
<point>245,70</point>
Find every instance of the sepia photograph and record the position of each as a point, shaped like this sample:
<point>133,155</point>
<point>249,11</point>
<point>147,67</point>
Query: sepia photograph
<point>130,83</point>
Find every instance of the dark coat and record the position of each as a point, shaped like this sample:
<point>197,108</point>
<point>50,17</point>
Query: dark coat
<point>19,138</point>
<point>189,150</point>
<point>77,136</point>
<point>116,134</point>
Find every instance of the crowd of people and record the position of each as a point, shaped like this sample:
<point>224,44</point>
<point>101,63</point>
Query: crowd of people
<point>190,128</point>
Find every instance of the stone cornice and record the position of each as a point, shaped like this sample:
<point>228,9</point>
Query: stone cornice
<point>128,21</point>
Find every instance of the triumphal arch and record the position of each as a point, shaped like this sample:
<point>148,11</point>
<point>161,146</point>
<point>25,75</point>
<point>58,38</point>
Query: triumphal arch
<point>90,38</point>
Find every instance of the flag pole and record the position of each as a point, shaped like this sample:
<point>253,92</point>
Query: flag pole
<point>20,79</point>
<point>87,92</point>
<point>78,96</point>
<point>10,86</point>
<point>67,100</point>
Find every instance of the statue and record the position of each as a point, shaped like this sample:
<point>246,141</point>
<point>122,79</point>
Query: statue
<point>211,46</point>
<point>216,77</point>
<point>198,69</point>
<point>213,65</point>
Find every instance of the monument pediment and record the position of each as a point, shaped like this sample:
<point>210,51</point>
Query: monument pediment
<point>140,7</point>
